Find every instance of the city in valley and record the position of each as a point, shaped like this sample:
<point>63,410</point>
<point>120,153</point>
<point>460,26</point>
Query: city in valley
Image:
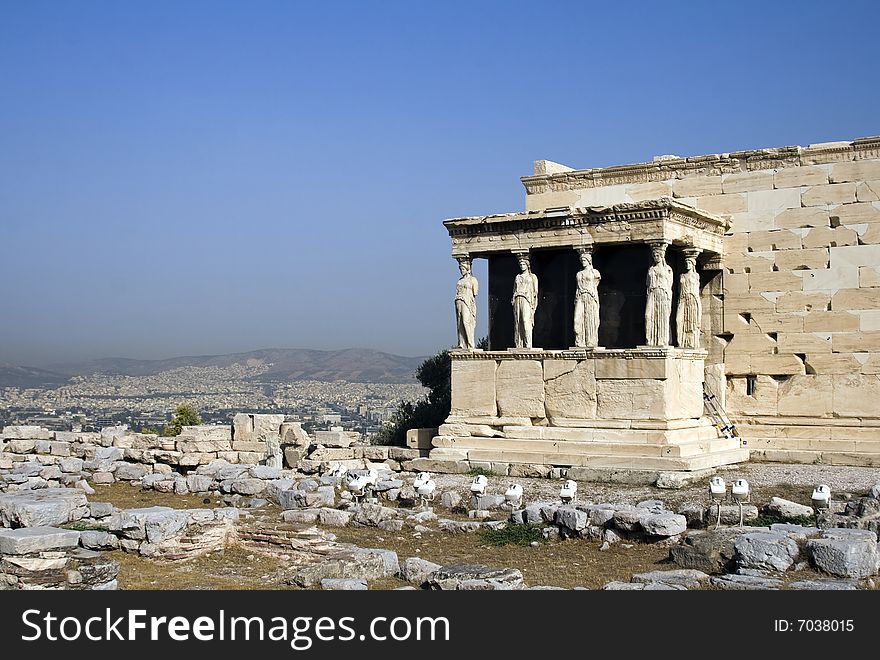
<point>93,401</point>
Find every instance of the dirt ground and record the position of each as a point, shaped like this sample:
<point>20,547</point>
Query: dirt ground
<point>129,495</point>
<point>571,563</point>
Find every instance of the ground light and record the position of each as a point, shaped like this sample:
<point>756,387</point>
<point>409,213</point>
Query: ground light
<point>360,485</point>
<point>514,495</point>
<point>421,479</point>
<point>821,497</point>
<point>741,494</point>
<point>718,493</point>
<point>568,492</point>
<point>426,491</point>
<point>478,485</point>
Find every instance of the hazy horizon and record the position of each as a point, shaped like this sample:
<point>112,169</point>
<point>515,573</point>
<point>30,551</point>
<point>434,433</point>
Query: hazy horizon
<point>203,355</point>
<point>206,178</point>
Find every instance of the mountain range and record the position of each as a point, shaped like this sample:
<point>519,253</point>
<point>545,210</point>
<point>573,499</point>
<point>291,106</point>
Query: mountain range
<point>283,364</point>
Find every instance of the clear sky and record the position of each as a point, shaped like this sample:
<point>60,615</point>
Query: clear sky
<point>210,177</point>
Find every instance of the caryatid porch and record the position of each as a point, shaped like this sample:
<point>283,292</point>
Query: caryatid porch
<point>628,394</point>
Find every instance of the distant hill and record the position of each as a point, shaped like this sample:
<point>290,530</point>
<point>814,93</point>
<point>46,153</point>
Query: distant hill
<point>357,365</point>
<point>30,377</point>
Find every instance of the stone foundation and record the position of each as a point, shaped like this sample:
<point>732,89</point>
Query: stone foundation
<point>637,409</point>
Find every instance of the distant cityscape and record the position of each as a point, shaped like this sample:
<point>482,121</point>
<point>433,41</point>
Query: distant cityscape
<point>217,392</point>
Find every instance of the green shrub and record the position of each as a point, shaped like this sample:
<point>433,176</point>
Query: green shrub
<point>184,415</point>
<point>428,412</point>
<point>435,374</point>
<point>512,535</point>
<point>474,471</point>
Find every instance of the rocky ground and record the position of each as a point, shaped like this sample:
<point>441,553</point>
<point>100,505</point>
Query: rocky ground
<point>569,563</point>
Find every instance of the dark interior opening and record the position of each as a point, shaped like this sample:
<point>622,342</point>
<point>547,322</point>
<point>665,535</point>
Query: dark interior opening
<point>622,295</point>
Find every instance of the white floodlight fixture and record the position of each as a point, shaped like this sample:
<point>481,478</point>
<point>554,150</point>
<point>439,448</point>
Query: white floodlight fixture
<point>568,492</point>
<point>514,495</point>
<point>718,493</point>
<point>741,493</point>
<point>359,485</point>
<point>421,479</point>
<point>821,497</point>
<point>478,485</point>
<point>426,491</point>
<point>740,490</point>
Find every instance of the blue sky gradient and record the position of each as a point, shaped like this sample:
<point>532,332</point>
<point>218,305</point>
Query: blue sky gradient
<point>209,177</point>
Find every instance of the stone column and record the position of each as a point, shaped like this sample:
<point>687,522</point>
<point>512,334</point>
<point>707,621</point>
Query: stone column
<point>690,307</point>
<point>586,302</point>
<point>466,290</point>
<point>524,301</point>
<point>658,308</point>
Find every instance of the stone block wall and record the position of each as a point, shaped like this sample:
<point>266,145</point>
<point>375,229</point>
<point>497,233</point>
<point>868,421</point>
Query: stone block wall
<point>795,316</point>
<point>246,442</point>
<point>556,387</point>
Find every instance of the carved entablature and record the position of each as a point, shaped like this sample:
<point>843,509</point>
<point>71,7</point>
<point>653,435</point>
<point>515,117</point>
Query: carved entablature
<point>663,219</point>
<point>669,168</point>
<point>658,353</point>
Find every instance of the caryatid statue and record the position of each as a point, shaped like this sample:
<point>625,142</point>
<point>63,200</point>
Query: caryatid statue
<point>466,305</point>
<point>690,307</point>
<point>586,303</point>
<point>659,305</point>
<point>525,301</point>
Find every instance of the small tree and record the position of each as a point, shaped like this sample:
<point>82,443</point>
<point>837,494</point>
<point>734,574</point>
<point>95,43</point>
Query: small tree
<point>184,415</point>
<point>435,374</point>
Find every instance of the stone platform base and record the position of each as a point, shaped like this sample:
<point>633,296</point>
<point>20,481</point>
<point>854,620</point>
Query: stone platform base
<point>819,441</point>
<point>676,445</point>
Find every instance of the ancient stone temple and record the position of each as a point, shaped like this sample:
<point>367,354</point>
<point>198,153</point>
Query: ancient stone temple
<point>621,295</point>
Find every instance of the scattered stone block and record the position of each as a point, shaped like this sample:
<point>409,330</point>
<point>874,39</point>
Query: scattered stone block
<point>417,570</point>
<point>823,585</point>
<point>334,517</point>
<point>36,539</point>
<point>788,509</point>
<point>129,472</point>
<point>470,577</point>
<point>766,551</point>
<point>42,508</point>
<point>848,553</point>
<point>343,584</point>
<point>745,583</point>
<point>687,578</point>
<point>98,540</point>
<point>345,565</point>
<point>450,499</point>
<point>663,524</point>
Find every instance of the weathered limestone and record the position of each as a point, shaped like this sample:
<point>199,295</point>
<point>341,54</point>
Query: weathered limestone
<point>519,386</point>
<point>466,305</point>
<point>586,309</point>
<point>525,302</point>
<point>36,539</point>
<point>570,389</point>
<point>463,577</point>
<point>690,308</point>
<point>795,328</point>
<point>850,553</point>
<point>41,508</point>
<point>474,392</point>
<point>659,305</point>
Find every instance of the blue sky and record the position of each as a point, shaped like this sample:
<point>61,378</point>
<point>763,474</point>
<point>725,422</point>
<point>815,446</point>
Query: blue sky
<point>203,177</point>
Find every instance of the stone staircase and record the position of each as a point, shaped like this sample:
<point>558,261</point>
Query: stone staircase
<point>680,449</point>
